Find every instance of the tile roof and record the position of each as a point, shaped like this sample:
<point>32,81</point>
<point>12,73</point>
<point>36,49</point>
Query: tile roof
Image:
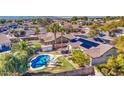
<point>98,51</point>
<point>4,39</point>
<point>50,36</point>
<point>93,52</point>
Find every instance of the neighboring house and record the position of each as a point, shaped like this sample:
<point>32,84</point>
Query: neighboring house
<point>77,27</point>
<point>119,31</point>
<point>101,53</point>
<point>30,34</point>
<point>107,37</point>
<point>31,31</point>
<point>5,43</point>
<point>73,27</point>
<point>86,29</point>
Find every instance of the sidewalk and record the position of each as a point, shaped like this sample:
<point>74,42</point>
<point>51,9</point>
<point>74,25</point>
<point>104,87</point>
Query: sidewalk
<point>97,73</point>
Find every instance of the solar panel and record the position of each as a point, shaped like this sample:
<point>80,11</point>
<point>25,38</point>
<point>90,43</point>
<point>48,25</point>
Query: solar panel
<point>85,43</point>
<point>88,43</point>
<point>99,40</point>
<point>86,46</point>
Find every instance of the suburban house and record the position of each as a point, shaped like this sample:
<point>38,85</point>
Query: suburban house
<point>73,27</point>
<point>107,37</point>
<point>101,53</point>
<point>98,52</point>
<point>119,31</point>
<point>48,39</point>
<point>30,33</point>
<point>5,43</point>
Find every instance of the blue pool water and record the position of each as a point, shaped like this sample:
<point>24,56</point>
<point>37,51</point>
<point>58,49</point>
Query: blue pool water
<point>85,43</point>
<point>73,40</point>
<point>40,61</point>
<point>4,49</point>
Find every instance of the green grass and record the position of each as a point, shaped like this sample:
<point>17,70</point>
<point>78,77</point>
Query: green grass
<point>65,66</point>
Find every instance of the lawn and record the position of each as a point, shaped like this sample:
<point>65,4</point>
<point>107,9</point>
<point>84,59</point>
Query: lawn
<point>66,66</point>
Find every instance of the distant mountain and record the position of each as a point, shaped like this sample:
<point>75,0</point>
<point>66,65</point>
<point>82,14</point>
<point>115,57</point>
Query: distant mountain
<point>26,17</point>
<point>31,17</point>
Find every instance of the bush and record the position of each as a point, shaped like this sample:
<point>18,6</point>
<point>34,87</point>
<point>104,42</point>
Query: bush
<point>14,64</point>
<point>104,71</point>
<point>80,58</point>
<point>37,46</point>
<point>114,66</point>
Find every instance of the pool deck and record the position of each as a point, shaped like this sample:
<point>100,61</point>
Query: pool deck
<point>5,52</point>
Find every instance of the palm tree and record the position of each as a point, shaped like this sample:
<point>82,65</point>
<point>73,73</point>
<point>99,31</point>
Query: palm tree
<point>37,31</point>
<point>62,30</point>
<point>22,45</point>
<point>53,28</point>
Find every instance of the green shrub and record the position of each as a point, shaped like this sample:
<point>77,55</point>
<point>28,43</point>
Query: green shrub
<point>80,58</point>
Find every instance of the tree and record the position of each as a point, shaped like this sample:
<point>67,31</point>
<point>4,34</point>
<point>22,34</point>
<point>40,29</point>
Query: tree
<point>2,21</point>
<point>19,21</point>
<point>17,64</point>
<point>94,30</point>
<point>105,28</point>
<point>37,31</point>
<point>62,30</point>
<point>119,43</point>
<point>22,33</point>
<point>93,33</point>
<point>112,25</point>
<point>34,21</point>
<point>9,21</point>
<point>53,28</point>
<point>46,21</point>
<point>84,18</point>
<point>80,58</point>
<point>22,45</point>
<point>74,18</point>
<point>114,66</point>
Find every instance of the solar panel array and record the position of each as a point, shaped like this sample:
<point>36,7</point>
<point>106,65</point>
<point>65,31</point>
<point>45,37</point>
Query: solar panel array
<point>85,43</point>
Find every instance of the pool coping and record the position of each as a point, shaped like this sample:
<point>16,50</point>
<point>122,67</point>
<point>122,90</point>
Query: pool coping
<point>5,52</point>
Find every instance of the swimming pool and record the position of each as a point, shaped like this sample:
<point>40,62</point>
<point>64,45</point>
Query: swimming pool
<point>40,61</point>
<point>73,40</point>
<point>85,43</point>
<point>5,49</point>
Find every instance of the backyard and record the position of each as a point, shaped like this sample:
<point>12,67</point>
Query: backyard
<point>64,65</point>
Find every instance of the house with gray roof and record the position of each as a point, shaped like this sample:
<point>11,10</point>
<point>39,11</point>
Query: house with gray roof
<point>98,52</point>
